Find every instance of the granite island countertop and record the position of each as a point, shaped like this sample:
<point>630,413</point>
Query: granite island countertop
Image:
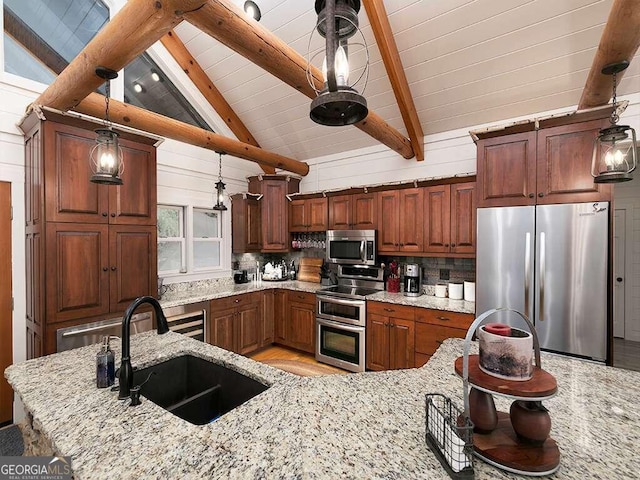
<point>201,295</point>
<point>361,425</point>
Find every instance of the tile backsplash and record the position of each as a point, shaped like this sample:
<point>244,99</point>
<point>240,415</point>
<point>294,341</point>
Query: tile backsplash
<point>439,270</point>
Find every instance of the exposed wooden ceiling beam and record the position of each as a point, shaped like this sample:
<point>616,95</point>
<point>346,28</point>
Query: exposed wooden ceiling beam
<point>620,40</point>
<point>141,119</point>
<point>229,25</point>
<point>391,57</point>
<point>201,80</point>
<point>138,25</point>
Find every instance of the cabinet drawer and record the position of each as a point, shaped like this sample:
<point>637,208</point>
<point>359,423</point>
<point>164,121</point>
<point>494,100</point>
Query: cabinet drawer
<point>421,359</point>
<point>430,337</point>
<point>235,300</point>
<point>301,297</point>
<point>444,318</point>
<point>391,310</point>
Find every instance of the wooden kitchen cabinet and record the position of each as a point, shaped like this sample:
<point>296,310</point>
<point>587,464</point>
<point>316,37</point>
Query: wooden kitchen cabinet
<point>550,165</point>
<point>308,215</point>
<point>295,319</point>
<point>353,212</point>
<point>90,249</point>
<point>236,322</point>
<point>450,219</point>
<point>267,331</point>
<point>400,220</point>
<point>390,336</point>
<point>246,224</point>
<point>432,327</point>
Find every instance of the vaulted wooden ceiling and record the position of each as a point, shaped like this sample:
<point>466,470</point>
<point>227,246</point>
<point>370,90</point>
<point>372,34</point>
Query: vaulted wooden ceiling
<point>457,63</point>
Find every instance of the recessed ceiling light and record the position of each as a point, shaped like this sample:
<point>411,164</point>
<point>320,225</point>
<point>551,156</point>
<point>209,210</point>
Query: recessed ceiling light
<point>155,76</point>
<point>137,87</point>
<point>252,10</point>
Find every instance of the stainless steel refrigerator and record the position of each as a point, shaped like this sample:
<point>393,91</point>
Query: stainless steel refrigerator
<point>550,263</point>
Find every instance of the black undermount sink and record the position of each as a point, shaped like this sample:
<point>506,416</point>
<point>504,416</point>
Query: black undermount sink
<point>194,389</point>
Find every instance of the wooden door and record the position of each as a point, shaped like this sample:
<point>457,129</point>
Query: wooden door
<point>410,228</point>
<point>437,224</point>
<point>222,327</point>
<point>268,311</point>
<point>507,170</point>
<point>246,224</point>
<point>134,202</point>
<point>35,290</point>
<point>6,303</point>
<point>428,338</point>
<point>77,271</point>
<point>388,221</point>
<point>463,217</point>
<point>564,164</point>
<point>302,320</point>
<point>364,211</point>
<point>249,327</point>
<point>317,212</point>
<point>132,264</point>
<point>70,196</point>
<point>377,344</point>
<point>401,343</point>
<point>340,212</point>
<point>297,218</point>
<point>280,313</point>
<point>275,228</point>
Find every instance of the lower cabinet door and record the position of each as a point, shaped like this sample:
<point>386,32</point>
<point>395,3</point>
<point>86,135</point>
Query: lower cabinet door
<point>430,337</point>
<point>401,343</point>
<point>280,316</point>
<point>249,326</point>
<point>222,322</point>
<point>377,342</point>
<point>302,322</point>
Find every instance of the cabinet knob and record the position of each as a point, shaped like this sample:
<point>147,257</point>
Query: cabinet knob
<point>402,244</point>
<point>453,245</point>
<point>541,194</point>
<point>392,325</point>
<point>237,300</point>
<point>531,195</point>
<point>444,319</point>
<point>113,214</point>
<point>104,269</point>
<point>446,245</point>
<point>104,214</point>
<point>386,324</point>
<point>389,310</point>
<point>113,269</point>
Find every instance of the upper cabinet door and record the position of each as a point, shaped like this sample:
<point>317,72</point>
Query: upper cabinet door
<point>507,170</point>
<point>363,211</point>
<point>437,227</point>
<point>134,202</point>
<point>316,214</point>
<point>463,217</point>
<point>297,217</point>
<point>564,164</point>
<point>275,227</point>
<point>388,219</point>
<point>411,220</point>
<point>340,212</point>
<point>70,195</point>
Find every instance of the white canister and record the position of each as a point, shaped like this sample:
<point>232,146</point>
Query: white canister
<point>470,291</point>
<point>441,291</point>
<point>455,291</point>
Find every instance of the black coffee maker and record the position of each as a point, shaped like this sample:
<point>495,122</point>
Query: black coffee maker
<point>412,280</point>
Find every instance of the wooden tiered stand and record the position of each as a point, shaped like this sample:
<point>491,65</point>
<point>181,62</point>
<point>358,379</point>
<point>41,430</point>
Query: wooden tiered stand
<point>502,447</point>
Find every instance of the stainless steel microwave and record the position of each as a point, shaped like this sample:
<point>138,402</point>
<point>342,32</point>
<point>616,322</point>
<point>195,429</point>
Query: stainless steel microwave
<point>351,247</point>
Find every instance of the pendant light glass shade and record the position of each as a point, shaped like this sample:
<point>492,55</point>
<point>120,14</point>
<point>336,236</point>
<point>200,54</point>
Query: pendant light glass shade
<point>106,156</point>
<point>220,206</point>
<point>338,103</point>
<point>614,149</point>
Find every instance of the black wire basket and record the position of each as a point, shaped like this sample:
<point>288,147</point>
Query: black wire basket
<point>449,434</point>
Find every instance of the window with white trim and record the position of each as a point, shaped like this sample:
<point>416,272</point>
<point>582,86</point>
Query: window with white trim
<point>189,240</point>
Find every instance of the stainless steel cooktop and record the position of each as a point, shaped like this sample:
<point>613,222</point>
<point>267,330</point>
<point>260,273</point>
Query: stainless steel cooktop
<point>347,291</point>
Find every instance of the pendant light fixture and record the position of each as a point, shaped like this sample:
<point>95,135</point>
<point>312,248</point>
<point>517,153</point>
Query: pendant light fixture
<point>220,206</point>
<point>338,103</point>
<point>614,158</point>
<point>106,155</point>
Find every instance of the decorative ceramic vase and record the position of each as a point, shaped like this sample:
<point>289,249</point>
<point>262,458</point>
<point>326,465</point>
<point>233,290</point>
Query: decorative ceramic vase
<point>482,411</point>
<point>507,357</point>
<point>530,421</point>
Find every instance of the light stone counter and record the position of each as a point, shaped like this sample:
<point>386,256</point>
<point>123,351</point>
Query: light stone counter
<point>354,426</point>
<point>425,301</point>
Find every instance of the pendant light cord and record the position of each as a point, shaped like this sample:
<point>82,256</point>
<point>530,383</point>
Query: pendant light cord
<point>614,114</point>
<point>220,167</point>
<point>107,122</point>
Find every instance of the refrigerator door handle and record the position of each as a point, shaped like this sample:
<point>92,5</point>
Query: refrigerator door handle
<point>527,274</point>
<point>542,274</point>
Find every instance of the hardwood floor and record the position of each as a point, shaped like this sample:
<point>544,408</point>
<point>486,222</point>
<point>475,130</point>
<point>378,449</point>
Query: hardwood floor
<point>626,354</point>
<point>276,352</point>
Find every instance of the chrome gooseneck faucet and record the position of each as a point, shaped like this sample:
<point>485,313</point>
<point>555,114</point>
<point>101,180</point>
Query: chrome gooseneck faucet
<point>126,371</point>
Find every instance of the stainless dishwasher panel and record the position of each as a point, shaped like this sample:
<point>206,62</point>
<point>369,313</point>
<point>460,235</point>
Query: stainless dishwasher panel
<point>92,333</point>
<point>190,320</point>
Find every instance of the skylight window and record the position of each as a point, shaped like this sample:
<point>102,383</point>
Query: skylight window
<point>146,86</point>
